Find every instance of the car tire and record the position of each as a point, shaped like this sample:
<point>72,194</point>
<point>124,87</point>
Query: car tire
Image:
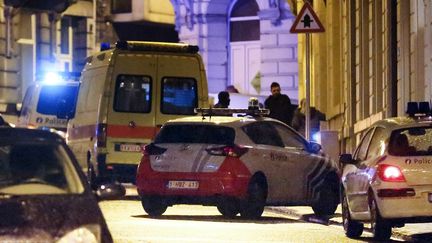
<point>228,207</point>
<point>353,229</point>
<point>328,200</point>
<point>154,206</point>
<point>381,228</point>
<point>253,206</point>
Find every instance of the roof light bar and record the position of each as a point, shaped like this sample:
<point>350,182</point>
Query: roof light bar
<point>230,112</point>
<point>418,109</point>
<point>156,46</point>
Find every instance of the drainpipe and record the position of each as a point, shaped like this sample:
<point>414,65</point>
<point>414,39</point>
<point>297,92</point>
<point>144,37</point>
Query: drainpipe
<point>8,31</point>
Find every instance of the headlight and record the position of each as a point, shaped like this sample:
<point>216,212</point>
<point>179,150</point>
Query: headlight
<point>87,233</point>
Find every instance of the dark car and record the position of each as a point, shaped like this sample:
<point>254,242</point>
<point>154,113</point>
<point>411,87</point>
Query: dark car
<point>44,196</point>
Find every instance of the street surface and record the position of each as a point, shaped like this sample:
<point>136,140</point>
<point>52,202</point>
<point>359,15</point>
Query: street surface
<point>194,223</point>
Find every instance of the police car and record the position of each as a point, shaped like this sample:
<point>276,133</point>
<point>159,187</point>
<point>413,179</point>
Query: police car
<point>387,181</point>
<point>238,163</point>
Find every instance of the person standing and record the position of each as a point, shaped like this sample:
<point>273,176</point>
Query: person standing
<point>223,100</point>
<point>279,105</point>
<point>299,119</point>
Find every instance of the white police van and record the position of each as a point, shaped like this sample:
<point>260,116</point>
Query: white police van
<point>44,101</point>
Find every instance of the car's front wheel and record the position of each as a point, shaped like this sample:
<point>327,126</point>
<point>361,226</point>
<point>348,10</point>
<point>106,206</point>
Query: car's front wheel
<point>154,206</point>
<point>253,206</point>
<point>328,200</point>
<point>353,229</point>
<point>381,228</point>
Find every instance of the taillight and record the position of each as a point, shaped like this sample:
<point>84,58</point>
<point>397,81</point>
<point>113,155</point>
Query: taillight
<point>390,173</point>
<point>152,149</point>
<point>231,151</point>
<point>101,135</point>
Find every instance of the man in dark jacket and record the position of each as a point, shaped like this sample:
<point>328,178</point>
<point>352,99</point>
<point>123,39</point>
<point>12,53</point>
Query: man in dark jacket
<point>223,100</point>
<point>279,104</point>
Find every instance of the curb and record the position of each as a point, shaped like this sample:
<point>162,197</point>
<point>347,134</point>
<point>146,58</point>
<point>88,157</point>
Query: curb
<point>328,221</point>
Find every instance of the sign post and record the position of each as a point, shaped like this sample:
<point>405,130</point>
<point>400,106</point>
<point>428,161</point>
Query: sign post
<point>307,22</point>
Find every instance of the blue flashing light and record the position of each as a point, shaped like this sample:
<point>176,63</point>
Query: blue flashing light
<point>316,137</point>
<point>52,78</point>
<point>105,46</point>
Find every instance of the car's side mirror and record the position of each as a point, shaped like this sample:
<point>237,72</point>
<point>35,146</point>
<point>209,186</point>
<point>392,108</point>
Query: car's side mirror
<point>346,159</point>
<point>314,147</point>
<point>110,191</point>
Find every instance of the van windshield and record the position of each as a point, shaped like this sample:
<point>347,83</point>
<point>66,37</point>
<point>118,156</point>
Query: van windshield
<point>55,97</point>
<point>179,96</point>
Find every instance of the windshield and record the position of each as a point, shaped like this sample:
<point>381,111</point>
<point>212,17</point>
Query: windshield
<point>29,168</point>
<point>413,141</point>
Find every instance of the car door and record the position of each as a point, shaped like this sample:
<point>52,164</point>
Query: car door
<point>303,168</point>
<point>268,156</point>
<point>356,176</point>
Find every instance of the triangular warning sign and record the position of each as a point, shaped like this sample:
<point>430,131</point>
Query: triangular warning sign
<point>307,21</point>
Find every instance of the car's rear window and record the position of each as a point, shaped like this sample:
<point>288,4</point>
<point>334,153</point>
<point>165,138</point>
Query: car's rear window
<point>206,134</point>
<point>415,141</point>
<point>51,97</point>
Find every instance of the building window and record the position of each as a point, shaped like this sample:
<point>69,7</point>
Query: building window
<point>244,22</point>
<point>64,35</point>
<point>121,6</point>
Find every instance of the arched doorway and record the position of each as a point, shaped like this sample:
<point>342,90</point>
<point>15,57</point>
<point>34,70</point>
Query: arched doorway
<point>245,47</point>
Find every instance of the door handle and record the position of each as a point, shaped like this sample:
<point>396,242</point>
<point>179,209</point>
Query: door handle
<point>132,124</point>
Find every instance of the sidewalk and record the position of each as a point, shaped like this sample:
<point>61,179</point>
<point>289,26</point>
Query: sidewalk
<point>410,232</point>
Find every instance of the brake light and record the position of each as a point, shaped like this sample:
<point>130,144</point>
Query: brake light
<point>152,149</point>
<point>231,151</point>
<point>101,135</point>
<point>390,173</point>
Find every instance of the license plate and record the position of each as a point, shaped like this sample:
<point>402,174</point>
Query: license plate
<point>183,184</point>
<point>130,147</point>
<point>430,197</point>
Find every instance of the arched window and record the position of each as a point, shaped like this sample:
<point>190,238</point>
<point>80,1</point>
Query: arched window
<point>244,22</point>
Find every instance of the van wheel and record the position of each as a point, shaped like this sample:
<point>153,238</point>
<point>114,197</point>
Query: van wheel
<point>253,206</point>
<point>353,229</point>
<point>328,200</point>
<point>381,229</point>
<point>228,207</point>
<point>154,206</point>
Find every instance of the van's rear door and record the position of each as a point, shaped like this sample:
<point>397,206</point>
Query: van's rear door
<point>179,86</point>
<point>131,109</point>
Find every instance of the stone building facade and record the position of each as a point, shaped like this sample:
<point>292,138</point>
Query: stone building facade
<point>373,58</point>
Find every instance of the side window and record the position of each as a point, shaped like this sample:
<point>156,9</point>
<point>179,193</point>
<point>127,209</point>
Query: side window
<point>377,144</point>
<point>263,133</point>
<point>27,101</point>
<point>132,94</point>
<point>179,96</point>
<point>289,138</point>
<point>362,149</point>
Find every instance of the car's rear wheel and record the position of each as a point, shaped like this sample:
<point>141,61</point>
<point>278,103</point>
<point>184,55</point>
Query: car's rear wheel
<point>229,207</point>
<point>353,229</point>
<point>381,228</point>
<point>154,206</point>
<point>328,200</point>
<point>253,206</point>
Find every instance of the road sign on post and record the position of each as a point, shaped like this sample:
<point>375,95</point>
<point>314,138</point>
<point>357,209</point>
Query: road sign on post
<point>307,22</point>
